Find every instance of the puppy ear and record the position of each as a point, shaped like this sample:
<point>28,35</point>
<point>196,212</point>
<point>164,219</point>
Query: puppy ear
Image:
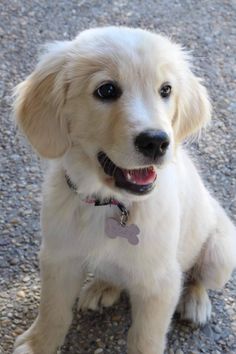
<point>39,102</point>
<point>193,108</point>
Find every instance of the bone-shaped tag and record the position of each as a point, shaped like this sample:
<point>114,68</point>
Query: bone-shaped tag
<point>114,229</point>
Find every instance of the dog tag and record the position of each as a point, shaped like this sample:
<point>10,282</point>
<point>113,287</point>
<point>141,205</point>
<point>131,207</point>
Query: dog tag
<point>114,228</point>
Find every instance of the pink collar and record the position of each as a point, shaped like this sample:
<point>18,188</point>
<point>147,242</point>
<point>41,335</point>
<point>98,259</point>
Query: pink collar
<point>97,202</point>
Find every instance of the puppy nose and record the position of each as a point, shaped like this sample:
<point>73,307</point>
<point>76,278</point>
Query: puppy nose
<point>152,143</point>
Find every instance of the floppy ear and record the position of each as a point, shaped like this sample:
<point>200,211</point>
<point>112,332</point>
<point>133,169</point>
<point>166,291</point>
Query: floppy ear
<point>39,102</point>
<point>193,108</point>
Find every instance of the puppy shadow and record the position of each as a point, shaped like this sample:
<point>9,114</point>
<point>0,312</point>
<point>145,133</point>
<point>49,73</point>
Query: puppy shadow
<point>105,332</point>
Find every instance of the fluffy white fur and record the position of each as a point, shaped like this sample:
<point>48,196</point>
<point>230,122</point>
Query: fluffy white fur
<point>183,229</point>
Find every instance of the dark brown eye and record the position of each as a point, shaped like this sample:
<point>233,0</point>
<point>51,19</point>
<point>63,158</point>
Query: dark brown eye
<point>165,90</point>
<point>108,91</point>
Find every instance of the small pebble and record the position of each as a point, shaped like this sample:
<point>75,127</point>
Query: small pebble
<point>179,351</point>
<point>98,351</point>
<point>26,279</point>
<point>21,294</point>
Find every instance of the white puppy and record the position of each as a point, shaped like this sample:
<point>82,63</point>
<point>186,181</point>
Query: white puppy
<point>110,110</point>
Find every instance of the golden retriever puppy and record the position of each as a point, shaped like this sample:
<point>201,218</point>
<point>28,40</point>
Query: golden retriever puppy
<point>121,199</point>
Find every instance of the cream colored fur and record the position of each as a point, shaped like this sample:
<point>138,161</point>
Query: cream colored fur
<point>183,229</point>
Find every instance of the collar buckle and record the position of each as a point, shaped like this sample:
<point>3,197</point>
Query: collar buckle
<point>124,214</point>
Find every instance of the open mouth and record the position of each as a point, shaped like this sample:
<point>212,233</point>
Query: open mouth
<point>138,181</point>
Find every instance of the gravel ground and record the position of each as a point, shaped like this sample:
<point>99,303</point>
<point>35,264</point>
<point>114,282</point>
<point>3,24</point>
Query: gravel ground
<point>208,28</point>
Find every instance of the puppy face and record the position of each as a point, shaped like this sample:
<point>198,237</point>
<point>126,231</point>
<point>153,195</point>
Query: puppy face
<point>121,99</point>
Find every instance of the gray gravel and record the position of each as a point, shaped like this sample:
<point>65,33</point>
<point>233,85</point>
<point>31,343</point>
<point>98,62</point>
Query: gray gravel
<point>208,28</point>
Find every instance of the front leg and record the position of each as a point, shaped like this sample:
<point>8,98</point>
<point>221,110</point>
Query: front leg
<point>152,310</point>
<point>60,285</point>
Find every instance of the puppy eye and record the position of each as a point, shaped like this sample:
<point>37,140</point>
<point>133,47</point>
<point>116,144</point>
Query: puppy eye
<point>165,90</point>
<point>108,91</point>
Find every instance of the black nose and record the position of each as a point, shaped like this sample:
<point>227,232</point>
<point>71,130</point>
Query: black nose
<point>152,143</point>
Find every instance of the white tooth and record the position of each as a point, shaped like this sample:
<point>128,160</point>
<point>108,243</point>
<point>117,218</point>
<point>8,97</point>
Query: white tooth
<point>128,176</point>
<point>133,179</point>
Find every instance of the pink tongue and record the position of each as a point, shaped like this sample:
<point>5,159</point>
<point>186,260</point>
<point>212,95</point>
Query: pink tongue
<point>142,176</point>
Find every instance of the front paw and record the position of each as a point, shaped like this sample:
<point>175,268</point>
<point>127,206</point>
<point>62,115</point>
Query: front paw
<point>23,349</point>
<point>27,349</point>
<point>144,345</point>
<point>30,343</point>
<point>23,344</point>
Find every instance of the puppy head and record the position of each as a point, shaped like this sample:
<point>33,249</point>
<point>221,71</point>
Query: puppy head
<point>115,102</point>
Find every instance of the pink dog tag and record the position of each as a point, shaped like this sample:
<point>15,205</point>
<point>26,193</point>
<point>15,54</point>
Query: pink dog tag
<point>113,229</point>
